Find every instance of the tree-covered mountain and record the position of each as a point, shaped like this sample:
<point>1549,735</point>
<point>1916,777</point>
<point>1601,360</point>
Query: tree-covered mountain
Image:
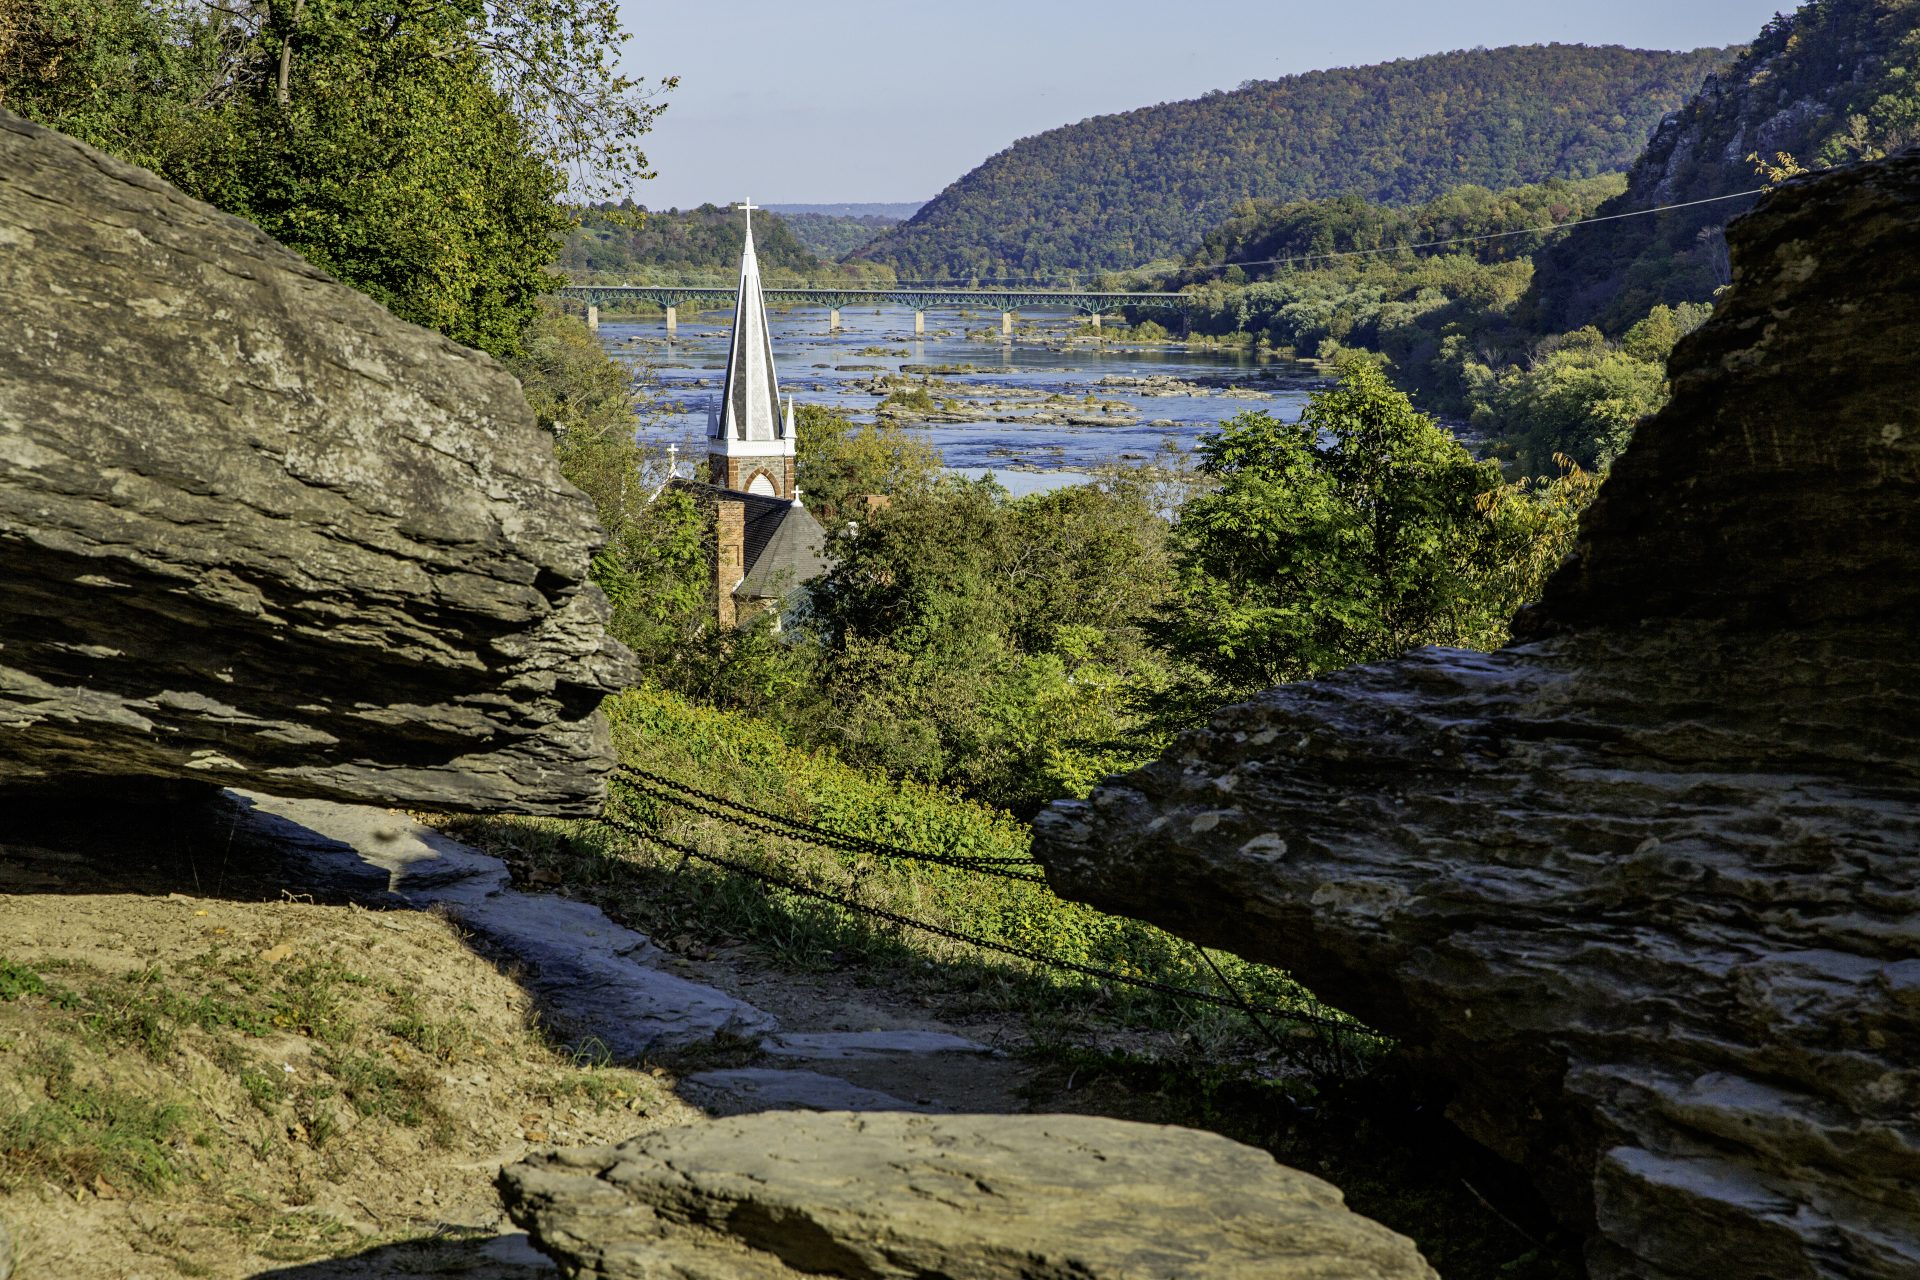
<point>1117,191</point>
<point>1837,80</point>
<point>610,243</point>
<point>834,235</point>
<point>615,244</point>
<point>1262,239</point>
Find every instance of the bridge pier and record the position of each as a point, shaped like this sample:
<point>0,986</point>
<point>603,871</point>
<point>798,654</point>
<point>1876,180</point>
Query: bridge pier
<point>1096,322</point>
<point>1006,324</point>
<point>593,318</point>
<point>673,321</point>
<point>833,319</point>
<point>919,324</point>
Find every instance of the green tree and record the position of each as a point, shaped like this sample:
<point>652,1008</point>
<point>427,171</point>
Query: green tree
<point>654,565</point>
<point>416,151</point>
<point>840,463</point>
<point>1353,534</point>
<point>1581,401</point>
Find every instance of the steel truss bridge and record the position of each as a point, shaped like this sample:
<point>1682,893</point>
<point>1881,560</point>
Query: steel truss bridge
<point>920,299</point>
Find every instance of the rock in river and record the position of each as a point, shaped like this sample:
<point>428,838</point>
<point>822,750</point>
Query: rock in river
<point>1642,890</point>
<point>888,1196</point>
<point>256,530</point>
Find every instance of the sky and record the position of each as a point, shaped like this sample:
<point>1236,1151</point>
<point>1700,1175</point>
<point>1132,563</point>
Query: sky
<point>821,101</point>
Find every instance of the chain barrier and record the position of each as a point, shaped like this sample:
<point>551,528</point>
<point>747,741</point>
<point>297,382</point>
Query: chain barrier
<point>676,793</point>
<point>1239,1005</point>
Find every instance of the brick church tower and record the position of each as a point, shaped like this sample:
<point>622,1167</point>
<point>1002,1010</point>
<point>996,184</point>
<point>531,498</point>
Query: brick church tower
<point>766,544</point>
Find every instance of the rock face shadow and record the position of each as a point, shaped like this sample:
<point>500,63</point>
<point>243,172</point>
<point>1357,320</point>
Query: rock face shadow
<point>509,1256</point>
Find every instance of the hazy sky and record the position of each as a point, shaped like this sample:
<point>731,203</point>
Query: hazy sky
<point>814,101</point>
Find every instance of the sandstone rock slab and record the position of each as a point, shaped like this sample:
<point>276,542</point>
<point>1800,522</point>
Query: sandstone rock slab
<point>1642,889</point>
<point>879,1197</point>
<point>255,530</point>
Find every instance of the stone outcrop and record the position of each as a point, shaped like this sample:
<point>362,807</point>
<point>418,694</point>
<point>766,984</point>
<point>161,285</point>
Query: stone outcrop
<point>1642,890</point>
<point>254,529</point>
<point>887,1196</point>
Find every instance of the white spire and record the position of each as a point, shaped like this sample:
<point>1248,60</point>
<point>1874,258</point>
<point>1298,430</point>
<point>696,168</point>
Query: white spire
<point>750,407</point>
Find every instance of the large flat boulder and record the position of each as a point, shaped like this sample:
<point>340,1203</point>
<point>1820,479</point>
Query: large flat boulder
<point>255,530</point>
<point>1642,890</point>
<point>887,1196</point>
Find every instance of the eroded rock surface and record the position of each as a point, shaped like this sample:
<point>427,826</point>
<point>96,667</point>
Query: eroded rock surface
<point>885,1196</point>
<point>1644,887</point>
<point>256,530</point>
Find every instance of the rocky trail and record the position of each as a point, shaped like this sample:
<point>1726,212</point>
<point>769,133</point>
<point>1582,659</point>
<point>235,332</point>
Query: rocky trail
<point>783,1041</point>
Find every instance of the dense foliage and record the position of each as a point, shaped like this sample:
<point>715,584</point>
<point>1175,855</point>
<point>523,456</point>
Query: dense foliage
<point>626,244</point>
<point>1358,532</point>
<point>415,151</point>
<point>834,236</point>
<point>1117,191</point>
<point>1319,277</point>
<point>1834,81</point>
<point>654,565</point>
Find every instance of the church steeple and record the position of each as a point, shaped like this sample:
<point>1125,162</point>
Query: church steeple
<point>751,435</point>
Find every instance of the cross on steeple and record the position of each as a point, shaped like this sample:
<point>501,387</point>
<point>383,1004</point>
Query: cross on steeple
<point>747,207</point>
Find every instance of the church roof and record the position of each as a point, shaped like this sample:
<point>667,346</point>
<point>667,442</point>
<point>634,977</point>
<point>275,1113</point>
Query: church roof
<point>785,548</point>
<point>750,406</point>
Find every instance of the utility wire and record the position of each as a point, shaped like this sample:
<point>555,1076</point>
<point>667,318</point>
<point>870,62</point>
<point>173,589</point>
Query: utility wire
<point>1492,235</point>
<point>1252,1011</point>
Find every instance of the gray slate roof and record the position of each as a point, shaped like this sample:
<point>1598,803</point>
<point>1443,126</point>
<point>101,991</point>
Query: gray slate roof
<point>785,546</point>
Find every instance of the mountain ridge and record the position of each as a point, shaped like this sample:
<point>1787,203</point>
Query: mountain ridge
<point>1118,190</point>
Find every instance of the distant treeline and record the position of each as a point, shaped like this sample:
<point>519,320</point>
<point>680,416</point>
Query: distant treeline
<point>627,243</point>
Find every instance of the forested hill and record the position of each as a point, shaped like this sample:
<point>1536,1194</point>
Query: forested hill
<point>1835,81</point>
<point>1118,191</point>
<point>678,241</point>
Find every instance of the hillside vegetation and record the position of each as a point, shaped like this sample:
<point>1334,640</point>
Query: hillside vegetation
<point>1116,191</point>
<point>684,246</point>
<point>1832,82</point>
<point>835,235</point>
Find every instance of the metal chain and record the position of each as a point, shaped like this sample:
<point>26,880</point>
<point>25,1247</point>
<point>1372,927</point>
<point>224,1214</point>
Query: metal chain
<point>662,788</point>
<point>1243,1006</point>
<point>748,824</point>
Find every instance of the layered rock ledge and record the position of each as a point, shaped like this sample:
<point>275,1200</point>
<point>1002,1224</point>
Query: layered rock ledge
<point>886,1196</point>
<point>254,529</point>
<point>1642,890</point>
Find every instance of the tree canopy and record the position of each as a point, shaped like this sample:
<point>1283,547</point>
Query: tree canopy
<point>1358,532</point>
<point>416,151</point>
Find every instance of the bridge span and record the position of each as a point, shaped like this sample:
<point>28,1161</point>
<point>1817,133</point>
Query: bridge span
<point>1006,301</point>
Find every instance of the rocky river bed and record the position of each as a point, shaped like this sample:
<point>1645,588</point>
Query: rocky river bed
<point>1044,409</point>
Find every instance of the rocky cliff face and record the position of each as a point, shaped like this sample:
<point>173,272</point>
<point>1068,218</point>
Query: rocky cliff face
<point>1642,889</point>
<point>1831,82</point>
<point>253,528</point>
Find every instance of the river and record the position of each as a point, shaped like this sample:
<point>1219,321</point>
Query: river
<point>681,377</point>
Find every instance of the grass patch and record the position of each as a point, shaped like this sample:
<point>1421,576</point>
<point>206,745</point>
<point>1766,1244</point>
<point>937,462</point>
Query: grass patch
<point>88,1133</point>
